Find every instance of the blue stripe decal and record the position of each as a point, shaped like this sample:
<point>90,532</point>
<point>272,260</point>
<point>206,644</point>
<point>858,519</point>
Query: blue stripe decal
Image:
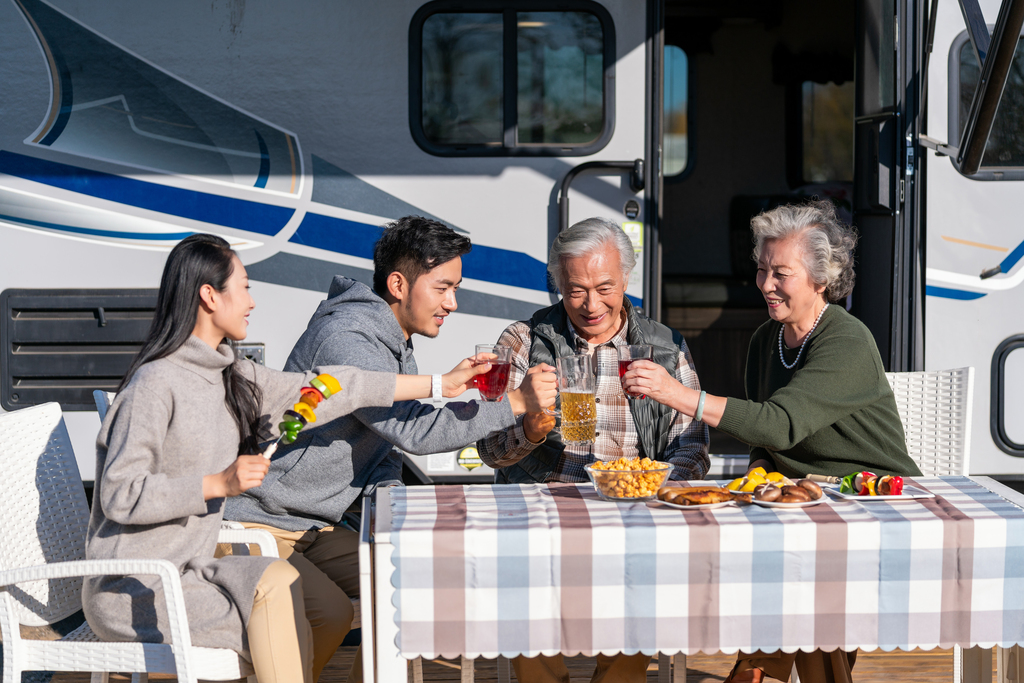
<point>161,236</point>
<point>947,293</point>
<point>1010,261</point>
<point>240,214</point>
<point>489,264</point>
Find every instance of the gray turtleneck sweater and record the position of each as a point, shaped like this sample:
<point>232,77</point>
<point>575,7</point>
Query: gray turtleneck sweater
<point>164,432</point>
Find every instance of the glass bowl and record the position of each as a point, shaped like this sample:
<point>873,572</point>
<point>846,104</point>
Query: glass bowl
<point>629,484</point>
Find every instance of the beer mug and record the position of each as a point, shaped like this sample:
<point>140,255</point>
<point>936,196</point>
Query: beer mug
<point>577,407</point>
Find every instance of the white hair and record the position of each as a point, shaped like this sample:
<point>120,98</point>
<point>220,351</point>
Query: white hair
<point>586,237</point>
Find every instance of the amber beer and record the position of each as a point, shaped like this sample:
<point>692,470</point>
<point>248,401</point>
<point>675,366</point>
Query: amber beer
<point>579,417</point>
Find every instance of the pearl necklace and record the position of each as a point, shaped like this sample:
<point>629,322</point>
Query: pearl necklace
<point>783,329</point>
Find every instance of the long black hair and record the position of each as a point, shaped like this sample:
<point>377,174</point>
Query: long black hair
<point>195,261</point>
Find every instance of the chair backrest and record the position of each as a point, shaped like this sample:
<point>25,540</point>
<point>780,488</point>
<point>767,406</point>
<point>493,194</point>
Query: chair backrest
<point>44,515</point>
<point>935,408</point>
<point>103,399</point>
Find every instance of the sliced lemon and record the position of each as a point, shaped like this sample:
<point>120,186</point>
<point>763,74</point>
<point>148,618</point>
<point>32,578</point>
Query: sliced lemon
<point>759,471</point>
<point>750,485</point>
<point>774,477</point>
<point>735,484</point>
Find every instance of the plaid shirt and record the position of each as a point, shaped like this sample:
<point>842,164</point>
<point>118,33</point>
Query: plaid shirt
<point>616,432</point>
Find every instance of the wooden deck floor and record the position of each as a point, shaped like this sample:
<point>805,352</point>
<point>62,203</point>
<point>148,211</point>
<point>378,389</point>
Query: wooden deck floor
<point>907,667</point>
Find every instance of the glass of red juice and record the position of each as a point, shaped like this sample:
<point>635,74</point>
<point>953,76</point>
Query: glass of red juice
<point>492,384</point>
<point>628,354</point>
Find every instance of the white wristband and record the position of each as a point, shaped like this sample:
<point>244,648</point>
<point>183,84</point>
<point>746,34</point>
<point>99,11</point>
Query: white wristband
<point>436,391</point>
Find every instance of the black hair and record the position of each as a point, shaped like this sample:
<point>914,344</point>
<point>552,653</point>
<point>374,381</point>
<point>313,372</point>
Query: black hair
<point>195,261</point>
<point>412,246</point>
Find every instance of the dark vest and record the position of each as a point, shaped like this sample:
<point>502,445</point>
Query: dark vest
<point>550,338</point>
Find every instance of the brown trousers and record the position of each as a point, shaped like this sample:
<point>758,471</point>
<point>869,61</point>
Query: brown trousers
<point>328,562</point>
<point>279,634</point>
<point>610,669</point>
<point>812,667</point>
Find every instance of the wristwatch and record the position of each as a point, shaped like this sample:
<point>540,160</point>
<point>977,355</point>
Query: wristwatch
<point>436,391</point>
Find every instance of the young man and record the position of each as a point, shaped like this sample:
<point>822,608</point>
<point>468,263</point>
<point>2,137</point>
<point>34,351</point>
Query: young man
<point>590,264</point>
<point>311,484</point>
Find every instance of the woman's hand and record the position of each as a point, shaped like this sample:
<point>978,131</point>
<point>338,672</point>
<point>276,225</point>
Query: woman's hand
<point>460,379</point>
<point>649,378</point>
<point>246,472</point>
<point>537,392</point>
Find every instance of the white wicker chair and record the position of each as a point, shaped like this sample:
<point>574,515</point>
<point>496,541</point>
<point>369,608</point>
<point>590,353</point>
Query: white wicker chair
<point>935,408</point>
<point>42,550</point>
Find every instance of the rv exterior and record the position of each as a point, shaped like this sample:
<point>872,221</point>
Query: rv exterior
<point>296,131</point>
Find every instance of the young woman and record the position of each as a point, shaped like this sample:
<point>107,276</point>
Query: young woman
<point>182,435</point>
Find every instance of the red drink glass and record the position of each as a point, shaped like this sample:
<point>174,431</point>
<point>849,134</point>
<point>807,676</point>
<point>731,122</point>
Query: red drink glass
<point>628,354</point>
<point>493,383</point>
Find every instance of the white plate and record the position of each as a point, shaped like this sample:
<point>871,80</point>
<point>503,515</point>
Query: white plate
<point>775,504</point>
<point>909,493</point>
<point>705,506</point>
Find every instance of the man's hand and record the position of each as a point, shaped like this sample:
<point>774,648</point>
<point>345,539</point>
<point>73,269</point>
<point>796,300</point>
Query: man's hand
<point>461,377</point>
<point>537,392</point>
<point>246,472</point>
<point>537,426</point>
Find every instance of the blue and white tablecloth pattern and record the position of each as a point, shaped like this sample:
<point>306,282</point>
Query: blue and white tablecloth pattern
<point>540,569</point>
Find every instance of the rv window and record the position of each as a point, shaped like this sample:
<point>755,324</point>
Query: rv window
<point>1005,148</point>
<point>675,153</point>
<point>827,132</point>
<point>511,79</point>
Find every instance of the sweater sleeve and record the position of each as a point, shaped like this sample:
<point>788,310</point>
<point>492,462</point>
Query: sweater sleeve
<point>281,390</point>
<point>131,492</point>
<point>415,427</point>
<point>840,376</point>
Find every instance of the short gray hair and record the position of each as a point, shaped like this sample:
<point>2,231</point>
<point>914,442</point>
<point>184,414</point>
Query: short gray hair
<point>586,237</point>
<point>828,243</point>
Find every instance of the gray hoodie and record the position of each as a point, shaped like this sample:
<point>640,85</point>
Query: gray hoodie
<point>312,482</point>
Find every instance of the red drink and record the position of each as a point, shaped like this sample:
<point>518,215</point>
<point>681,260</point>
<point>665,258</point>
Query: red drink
<point>492,384</point>
<point>623,366</point>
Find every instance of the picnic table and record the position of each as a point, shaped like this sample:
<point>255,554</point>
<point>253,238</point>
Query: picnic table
<point>482,571</point>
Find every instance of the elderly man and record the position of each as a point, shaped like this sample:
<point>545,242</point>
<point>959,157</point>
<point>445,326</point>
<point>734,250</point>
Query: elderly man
<point>590,264</point>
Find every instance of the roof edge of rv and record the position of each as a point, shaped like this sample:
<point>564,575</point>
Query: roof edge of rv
<point>994,72</point>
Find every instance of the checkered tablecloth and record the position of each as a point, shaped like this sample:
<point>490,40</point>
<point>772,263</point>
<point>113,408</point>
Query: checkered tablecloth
<point>541,569</point>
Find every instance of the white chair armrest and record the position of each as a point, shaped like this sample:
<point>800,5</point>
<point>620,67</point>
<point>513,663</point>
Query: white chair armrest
<point>181,640</point>
<point>258,537</point>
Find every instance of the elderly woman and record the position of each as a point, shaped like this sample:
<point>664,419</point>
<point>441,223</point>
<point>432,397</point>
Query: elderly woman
<point>817,397</point>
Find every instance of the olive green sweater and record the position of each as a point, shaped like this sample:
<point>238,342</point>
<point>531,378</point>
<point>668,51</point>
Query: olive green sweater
<point>833,414</point>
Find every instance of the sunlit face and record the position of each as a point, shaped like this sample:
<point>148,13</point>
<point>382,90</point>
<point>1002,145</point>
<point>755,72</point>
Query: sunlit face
<point>231,313</point>
<point>593,287</point>
<point>792,297</point>
<point>430,299</point>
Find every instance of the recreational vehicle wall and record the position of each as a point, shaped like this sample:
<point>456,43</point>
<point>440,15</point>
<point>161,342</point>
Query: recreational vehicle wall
<point>297,130</point>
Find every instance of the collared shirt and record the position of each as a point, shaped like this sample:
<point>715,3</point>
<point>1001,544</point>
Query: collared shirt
<point>616,432</point>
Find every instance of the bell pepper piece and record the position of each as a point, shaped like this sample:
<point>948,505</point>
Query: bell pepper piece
<point>309,400</point>
<point>320,386</point>
<point>847,484</point>
<point>305,411</point>
<point>332,384</point>
<point>869,487</point>
<point>896,486</point>
<point>290,426</point>
<point>288,437</point>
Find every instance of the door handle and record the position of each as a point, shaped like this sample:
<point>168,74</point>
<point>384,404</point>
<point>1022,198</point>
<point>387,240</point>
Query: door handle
<point>635,169</point>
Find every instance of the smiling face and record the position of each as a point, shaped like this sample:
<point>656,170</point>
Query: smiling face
<point>422,307</point>
<point>593,287</point>
<point>230,315</point>
<point>792,297</point>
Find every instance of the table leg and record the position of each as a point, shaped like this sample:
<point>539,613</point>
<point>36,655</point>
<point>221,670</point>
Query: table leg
<point>671,668</point>
<point>468,670</point>
<point>974,665</point>
<point>504,670</point>
<point>1009,667</point>
<point>391,666</point>
<point>417,670</point>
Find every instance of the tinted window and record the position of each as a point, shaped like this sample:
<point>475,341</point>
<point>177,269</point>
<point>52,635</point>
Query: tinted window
<point>561,77</point>
<point>1005,148</point>
<point>514,80</point>
<point>462,94</point>
<point>827,132</point>
<point>674,149</point>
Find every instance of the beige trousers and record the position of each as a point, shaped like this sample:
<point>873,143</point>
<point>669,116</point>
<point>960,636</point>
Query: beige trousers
<point>812,667</point>
<point>610,669</point>
<point>279,634</point>
<point>328,562</point>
